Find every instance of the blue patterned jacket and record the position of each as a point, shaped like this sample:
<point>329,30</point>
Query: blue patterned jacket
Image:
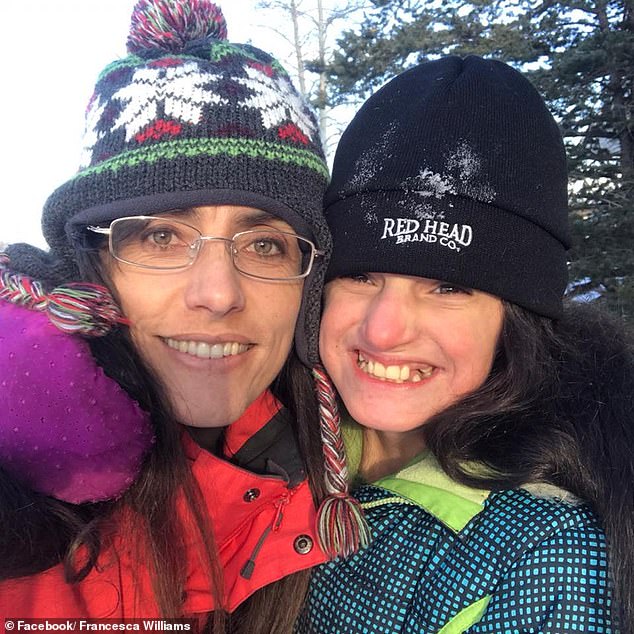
<point>447,559</point>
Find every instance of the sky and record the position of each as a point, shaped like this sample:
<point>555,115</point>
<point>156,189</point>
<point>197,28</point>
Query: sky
<point>52,52</point>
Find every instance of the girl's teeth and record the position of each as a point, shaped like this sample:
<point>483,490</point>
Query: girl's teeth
<point>397,373</point>
<point>392,372</point>
<point>204,350</point>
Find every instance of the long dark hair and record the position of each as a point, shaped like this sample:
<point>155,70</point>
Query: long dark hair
<point>36,530</point>
<point>557,408</point>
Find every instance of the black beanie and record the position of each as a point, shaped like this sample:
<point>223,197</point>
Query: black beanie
<point>456,171</point>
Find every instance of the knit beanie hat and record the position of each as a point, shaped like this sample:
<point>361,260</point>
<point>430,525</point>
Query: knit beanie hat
<point>186,119</point>
<point>456,171</point>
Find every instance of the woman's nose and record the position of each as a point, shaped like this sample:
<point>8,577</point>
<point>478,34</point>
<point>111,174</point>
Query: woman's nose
<point>214,283</point>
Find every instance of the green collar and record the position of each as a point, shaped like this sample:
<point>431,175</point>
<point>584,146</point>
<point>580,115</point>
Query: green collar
<point>422,482</point>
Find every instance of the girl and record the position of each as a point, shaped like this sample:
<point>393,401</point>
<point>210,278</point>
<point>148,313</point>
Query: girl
<point>198,207</point>
<point>492,435</point>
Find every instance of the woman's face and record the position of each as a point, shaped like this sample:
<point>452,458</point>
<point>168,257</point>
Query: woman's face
<point>400,349</point>
<point>178,318</point>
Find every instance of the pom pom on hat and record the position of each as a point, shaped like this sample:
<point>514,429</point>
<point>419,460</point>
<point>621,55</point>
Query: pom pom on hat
<point>170,25</point>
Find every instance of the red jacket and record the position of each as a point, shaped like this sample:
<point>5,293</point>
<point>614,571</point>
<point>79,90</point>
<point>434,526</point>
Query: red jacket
<point>269,519</point>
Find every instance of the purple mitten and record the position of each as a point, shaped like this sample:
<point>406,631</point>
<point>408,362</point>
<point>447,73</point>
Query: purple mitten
<point>66,429</point>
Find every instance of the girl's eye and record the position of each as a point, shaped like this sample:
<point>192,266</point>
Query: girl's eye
<point>452,289</point>
<point>361,278</point>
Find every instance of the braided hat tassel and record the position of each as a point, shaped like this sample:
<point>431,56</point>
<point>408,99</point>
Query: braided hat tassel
<point>341,525</point>
<point>75,308</point>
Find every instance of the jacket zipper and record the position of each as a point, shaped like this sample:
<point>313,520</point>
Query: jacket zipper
<point>247,569</point>
<point>397,499</point>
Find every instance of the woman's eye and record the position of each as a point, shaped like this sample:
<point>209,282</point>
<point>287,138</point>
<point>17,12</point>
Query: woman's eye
<point>266,247</point>
<point>162,238</point>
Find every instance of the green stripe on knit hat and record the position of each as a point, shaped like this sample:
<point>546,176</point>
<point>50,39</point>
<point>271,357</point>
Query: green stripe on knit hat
<point>253,148</point>
<point>221,49</point>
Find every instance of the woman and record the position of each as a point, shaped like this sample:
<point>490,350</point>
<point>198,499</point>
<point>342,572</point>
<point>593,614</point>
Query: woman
<point>198,207</point>
<point>492,442</point>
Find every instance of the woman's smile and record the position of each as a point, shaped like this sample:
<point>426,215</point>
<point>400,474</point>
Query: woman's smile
<point>215,337</point>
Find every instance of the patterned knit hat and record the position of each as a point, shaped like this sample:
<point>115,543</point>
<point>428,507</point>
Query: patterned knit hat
<point>455,170</point>
<point>186,119</point>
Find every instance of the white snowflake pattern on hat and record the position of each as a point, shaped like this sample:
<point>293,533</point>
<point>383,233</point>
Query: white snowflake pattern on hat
<point>183,92</point>
<point>276,100</point>
<point>180,89</point>
<point>92,134</point>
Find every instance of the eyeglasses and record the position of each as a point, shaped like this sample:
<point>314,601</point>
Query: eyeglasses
<point>154,242</point>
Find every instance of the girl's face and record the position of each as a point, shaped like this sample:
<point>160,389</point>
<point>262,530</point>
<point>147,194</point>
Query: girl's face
<point>401,349</point>
<point>215,338</point>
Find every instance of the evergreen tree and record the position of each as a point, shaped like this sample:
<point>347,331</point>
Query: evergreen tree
<point>580,56</point>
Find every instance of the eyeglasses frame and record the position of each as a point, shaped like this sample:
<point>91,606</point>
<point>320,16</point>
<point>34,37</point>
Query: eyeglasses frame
<point>314,251</point>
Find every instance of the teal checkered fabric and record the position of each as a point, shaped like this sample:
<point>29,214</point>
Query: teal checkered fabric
<point>523,564</point>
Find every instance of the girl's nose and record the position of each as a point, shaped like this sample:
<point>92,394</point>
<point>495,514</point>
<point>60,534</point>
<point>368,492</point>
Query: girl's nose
<point>390,319</point>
